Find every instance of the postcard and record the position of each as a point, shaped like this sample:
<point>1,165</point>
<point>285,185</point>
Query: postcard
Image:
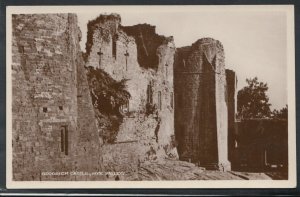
<point>151,96</point>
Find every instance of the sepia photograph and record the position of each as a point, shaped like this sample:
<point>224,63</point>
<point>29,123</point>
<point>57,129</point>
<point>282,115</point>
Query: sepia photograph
<point>151,96</point>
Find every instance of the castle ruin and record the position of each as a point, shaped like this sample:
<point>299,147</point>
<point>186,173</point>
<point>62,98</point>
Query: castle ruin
<point>145,60</point>
<point>201,104</point>
<point>55,122</point>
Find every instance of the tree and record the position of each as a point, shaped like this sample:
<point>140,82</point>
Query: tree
<point>252,100</point>
<point>281,114</point>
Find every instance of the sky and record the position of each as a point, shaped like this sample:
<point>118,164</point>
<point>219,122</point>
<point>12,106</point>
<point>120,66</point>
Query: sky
<point>254,40</point>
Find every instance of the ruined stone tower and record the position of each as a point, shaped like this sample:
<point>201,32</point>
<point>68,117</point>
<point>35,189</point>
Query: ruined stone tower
<point>54,129</point>
<point>201,112</point>
<point>146,59</point>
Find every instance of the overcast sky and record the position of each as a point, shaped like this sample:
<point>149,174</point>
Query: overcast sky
<point>254,41</point>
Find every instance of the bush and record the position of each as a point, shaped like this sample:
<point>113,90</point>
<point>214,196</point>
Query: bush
<point>108,95</point>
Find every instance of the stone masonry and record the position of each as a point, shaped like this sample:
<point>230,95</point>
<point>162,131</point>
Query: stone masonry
<point>201,112</point>
<point>138,54</point>
<point>231,81</point>
<point>54,124</point>
<point>53,119</point>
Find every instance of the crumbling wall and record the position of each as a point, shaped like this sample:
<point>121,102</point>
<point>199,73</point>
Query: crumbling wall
<point>120,64</point>
<point>200,104</point>
<point>46,85</point>
<point>54,126</point>
<point>147,43</point>
<point>119,52</point>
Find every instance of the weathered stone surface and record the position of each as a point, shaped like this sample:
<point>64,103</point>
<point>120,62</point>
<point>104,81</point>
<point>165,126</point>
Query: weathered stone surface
<point>147,43</point>
<point>117,51</point>
<point>231,81</point>
<point>201,122</point>
<point>53,119</point>
<point>54,127</point>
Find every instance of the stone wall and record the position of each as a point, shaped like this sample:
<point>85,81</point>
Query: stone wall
<point>54,124</point>
<point>261,144</point>
<point>231,81</point>
<point>201,123</point>
<point>147,63</point>
<point>147,43</point>
<point>53,119</point>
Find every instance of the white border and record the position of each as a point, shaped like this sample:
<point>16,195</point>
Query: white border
<point>290,183</point>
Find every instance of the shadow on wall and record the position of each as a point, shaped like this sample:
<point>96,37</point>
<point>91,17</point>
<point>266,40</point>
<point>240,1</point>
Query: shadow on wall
<point>147,43</point>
